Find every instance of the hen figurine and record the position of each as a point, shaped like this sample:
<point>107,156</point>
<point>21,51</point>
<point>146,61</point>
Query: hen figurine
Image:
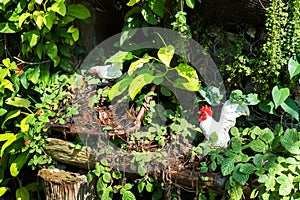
<point>230,111</point>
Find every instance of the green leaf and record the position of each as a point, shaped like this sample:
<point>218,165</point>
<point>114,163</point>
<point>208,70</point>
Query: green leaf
<point>117,57</point>
<point>22,194</point>
<point>132,2</point>
<point>119,88</point>
<point>138,64</point>
<point>6,136</point>
<point>2,111</point>
<point>138,83</point>
<point>251,99</point>
<point>258,146</point>
<point>141,186</point>
<point>149,187</point>
<point>18,163</point>
<point>74,31</point>
<point>212,95</point>
<point>7,84</point>
<point>286,184</point>
<point>106,177</point>
<point>190,3</point>
<point>190,74</point>
<point>18,102</point>
<point>79,11</point>
<point>290,141</point>
<point>51,49</point>
<point>38,17</point>
<point>291,107</point>
<point>23,17</point>
<point>58,7</point>
<point>24,125</point>
<point>7,27</point>
<point>165,54</point>
<point>10,115</point>
<point>247,168</point>
<point>157,6</point>
<point>267,106</point>
<point>267,136</point>
<point>227,166</point>
<point>33,37</point>
<point>33,75</point>
<point>141,170</point>
<point>3,190</point>
<point>279,95</point>
<point>148,15</point>
<point>128,195</point>
<point>293,67</point>
<point>240,177</point>
<point>49,19</point>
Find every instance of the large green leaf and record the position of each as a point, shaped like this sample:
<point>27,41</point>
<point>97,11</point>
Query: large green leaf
<point>227,166</point>
<point>79,11</point>
<point>6,136</point>
<point>148,15</point>
<point>33,75</point>
<point>138,83</point>
<point>291,141</point>
<point>293,67</point>
<point>3,190</point>
<point>7,84</point>
<point>258,146</point>
<point>165,54</point>
<point>279,95</point>
<point>291,107</point>
<point>58,7</point>
<point>10,115</point>
<point>240,177</point>
<point>267,106</point>
<point>8,27</point>
<point>18,163</point>
<point>119,88</point>
<point>18,102</point>
<point>49,19</point>
<point>51,49</point>
<point>22,194</point>
<point>117,57</point>
<point>23,17</point>
<point>32,37</point>
<point>190,74</point>
<point>24,125</point>
<point>157,6</point>
<point>138,64</point>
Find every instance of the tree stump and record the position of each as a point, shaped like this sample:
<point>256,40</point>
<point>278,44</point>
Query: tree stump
<point>63,185</point>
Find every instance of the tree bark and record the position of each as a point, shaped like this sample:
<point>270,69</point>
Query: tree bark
<point>62,185</point>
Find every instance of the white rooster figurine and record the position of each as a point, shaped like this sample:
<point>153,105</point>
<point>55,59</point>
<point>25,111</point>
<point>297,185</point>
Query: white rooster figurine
<point>230,111</point>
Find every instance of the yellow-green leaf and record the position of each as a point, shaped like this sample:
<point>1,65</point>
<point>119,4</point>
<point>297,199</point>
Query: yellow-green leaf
<point>3,190</point>
<point>22,194</point>
<point>138,83</point>
<point>165,54</point>
<point>18,102</point>
<point>23,17</point>
<point>6,136</point>
<point>190,74</point>
<point>138,64</point>
<point>132,2</point>
<point>24,123</point>
<point>119,88</point>
<point>18,163</point>
<point>7,84</point>
<point>59,7</point>
<point>10,115</point>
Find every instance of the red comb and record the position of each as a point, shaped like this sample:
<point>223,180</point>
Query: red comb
<point>204,111</point>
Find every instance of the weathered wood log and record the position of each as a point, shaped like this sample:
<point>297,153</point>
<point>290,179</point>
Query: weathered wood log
<point>172,171</point>
<point>63,185</point>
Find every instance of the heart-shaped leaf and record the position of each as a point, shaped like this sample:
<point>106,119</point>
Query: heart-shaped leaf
<point>291,107</point>
<point>165,54</point>
<point>293,67</point>
<point>280,95</point>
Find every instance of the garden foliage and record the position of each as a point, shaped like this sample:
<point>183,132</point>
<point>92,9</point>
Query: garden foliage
<point>40,44</point>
